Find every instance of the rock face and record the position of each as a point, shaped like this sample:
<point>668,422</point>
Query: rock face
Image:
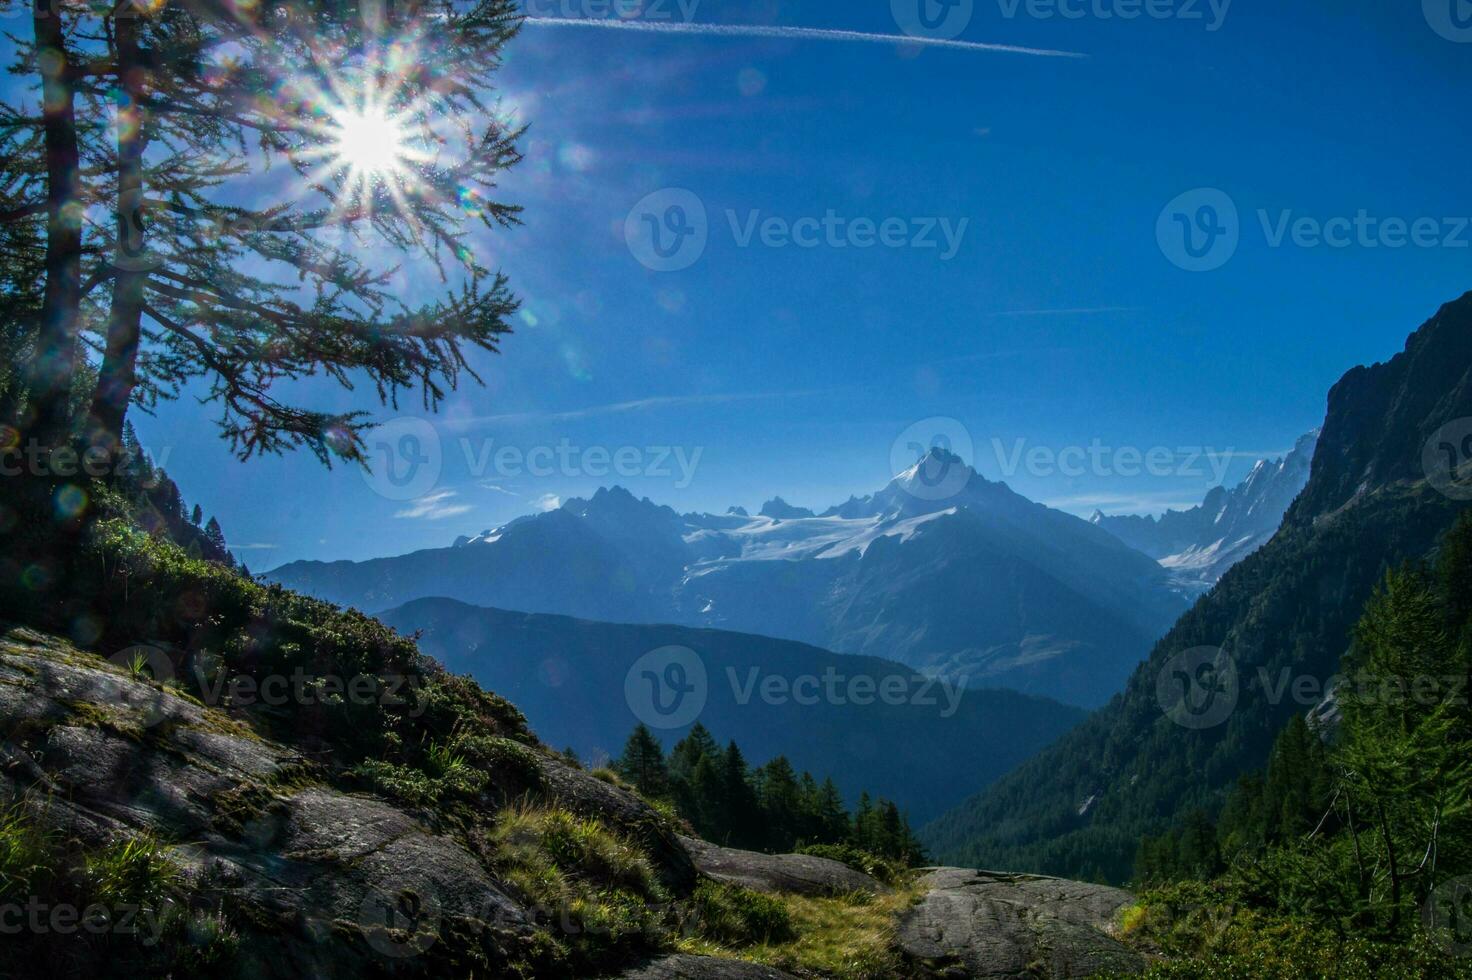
<point>336,884</point>
<point>1372,502</point>
<point>1197,546</point>
<point>799,874</point>
<point>703,968</point>
<point>984,924</point>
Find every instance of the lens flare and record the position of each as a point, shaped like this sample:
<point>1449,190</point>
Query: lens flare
<point>370,142</point>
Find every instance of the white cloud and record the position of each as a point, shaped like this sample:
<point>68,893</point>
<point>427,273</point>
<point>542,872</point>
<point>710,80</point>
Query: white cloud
<point>548,501</point>
<point>434,507</point>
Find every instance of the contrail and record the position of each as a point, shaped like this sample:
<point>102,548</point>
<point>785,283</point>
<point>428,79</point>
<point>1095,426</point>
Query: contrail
<point>790,33</point>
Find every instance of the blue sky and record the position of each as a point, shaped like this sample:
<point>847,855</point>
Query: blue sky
<point>765,367</point>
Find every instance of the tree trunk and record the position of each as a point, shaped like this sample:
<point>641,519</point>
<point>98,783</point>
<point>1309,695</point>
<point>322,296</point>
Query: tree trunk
<point>53,361</point>
<point>117,376</point>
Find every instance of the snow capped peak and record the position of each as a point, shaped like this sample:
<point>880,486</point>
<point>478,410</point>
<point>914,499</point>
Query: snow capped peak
<point>781,510</point>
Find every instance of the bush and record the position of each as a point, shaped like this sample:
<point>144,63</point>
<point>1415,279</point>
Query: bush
<point>881,869</point>
<point>735,916</point>
<point>587,883</point>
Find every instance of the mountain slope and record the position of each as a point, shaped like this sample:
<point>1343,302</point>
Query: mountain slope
<point>1285,611</point>
<point>982,585</point>
<point>568,677</point>
<point>1198,545</point>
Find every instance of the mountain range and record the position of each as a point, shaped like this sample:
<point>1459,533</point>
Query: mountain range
<point>942,570</point>
<point>570,678</point>
<point>1197,546</point>
<point>1385,485</point>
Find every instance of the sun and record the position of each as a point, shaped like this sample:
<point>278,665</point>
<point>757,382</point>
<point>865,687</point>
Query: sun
<point>371,142</point>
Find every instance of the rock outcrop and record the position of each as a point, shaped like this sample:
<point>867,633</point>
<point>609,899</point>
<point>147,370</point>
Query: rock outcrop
<point>799,874</point>
<point>682,967</point>
<point>984,924</point>
<point>335,884</point>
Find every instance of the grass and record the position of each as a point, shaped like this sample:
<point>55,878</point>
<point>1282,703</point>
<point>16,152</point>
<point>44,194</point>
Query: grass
<point>1198,931</point>
<point>132,871</point>
<point>25,853</point>
<point>596,890</point>
<point>849,937</point>
<point>735,916</point>
<point>881,869</point>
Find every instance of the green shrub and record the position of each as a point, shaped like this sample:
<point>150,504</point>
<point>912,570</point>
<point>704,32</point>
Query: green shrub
<point>880,869</point>
<point>595,889</point>
<point>735,916</point>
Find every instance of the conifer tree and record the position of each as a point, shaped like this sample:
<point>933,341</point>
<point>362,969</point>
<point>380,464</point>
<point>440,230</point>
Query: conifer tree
<point>643,765</point>
<point>381,118</point>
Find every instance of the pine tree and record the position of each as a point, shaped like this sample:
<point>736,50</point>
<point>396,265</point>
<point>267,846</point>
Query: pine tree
<point>196,515</point>
<point>643,765</point>
<point>216,537</point>
<point>833,819</point>
<point>247,296</point>
<point>745,815</point>
<point>688,752</point>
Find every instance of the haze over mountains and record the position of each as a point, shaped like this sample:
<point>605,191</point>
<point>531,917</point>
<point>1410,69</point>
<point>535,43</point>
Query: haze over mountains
<point>942,570</point>
<point>1197,546</point>
<point>925,745</point>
